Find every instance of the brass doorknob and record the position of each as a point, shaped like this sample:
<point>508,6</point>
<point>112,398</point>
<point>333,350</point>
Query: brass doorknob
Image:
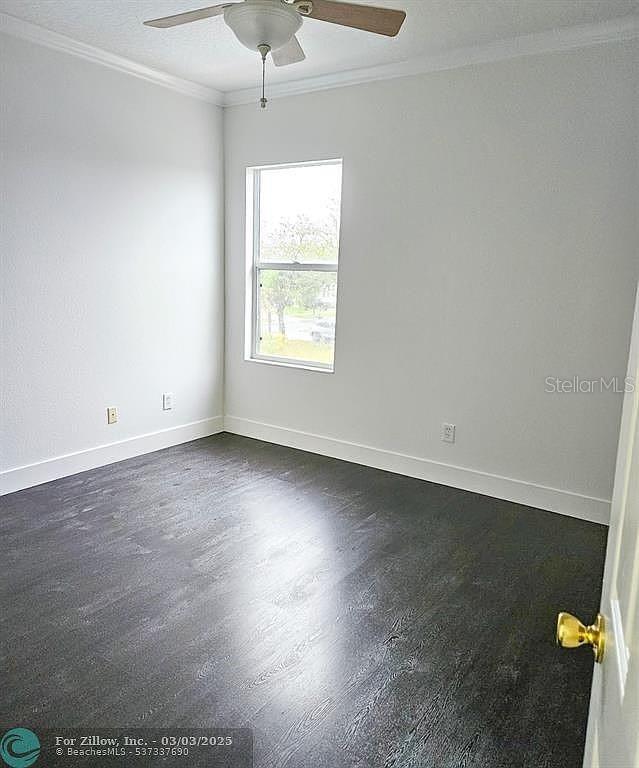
<point>571,633</point>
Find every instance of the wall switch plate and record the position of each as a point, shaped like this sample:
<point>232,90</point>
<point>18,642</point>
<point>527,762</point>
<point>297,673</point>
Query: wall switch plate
<point>167,401</point>
<point>448,433</point>
<point>112,415</point>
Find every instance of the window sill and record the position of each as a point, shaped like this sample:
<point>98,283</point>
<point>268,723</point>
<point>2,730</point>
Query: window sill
<point>286,364</point>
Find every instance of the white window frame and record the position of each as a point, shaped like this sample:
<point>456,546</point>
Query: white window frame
<point>254,266</point>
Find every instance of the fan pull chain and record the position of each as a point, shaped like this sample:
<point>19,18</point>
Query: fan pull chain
<point>263,49</point>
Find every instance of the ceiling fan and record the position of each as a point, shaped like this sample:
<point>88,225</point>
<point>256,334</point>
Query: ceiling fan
<point>269,26</point>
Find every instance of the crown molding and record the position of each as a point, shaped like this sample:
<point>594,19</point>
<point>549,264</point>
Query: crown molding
<point>616,30</point>
<point>25,30</point>
<point>568,38</point>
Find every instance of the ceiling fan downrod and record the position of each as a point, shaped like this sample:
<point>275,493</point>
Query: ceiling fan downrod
<point>264,50</point>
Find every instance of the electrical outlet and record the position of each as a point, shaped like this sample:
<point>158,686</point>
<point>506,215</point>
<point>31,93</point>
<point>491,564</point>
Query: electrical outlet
<point>167,401</point>
<point>448,433</point>
<point>112,415</point>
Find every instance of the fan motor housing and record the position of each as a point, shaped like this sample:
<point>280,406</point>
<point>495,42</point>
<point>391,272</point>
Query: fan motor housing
<point>263,22</point>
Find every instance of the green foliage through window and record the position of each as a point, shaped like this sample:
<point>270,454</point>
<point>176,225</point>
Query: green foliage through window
<point>296,262</point>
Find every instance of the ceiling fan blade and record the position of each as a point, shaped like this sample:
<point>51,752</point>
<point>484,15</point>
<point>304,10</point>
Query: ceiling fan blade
<point>290,53</point>
<point>185,18</point>
<point>383,21</point>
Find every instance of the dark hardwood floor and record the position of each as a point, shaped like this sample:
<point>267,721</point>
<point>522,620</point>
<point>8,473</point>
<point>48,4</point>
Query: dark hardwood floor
<point>350,616</point>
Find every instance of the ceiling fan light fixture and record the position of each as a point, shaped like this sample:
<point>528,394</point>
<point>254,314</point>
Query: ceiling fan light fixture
<point>269,26</point>
<point>263,22</point>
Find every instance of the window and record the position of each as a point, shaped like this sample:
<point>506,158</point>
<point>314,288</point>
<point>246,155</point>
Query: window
<point>293,216</point>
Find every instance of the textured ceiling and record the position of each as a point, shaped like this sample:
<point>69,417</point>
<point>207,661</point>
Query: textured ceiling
<point>207,52</point>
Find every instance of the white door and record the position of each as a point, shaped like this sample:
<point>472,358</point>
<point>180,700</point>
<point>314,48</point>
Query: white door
<point>613,725</point>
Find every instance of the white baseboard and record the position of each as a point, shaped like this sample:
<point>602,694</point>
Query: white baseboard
<point>71,463</point>
<point>519,491</point>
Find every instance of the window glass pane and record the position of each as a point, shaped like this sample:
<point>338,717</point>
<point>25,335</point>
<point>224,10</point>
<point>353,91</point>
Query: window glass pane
<point>297,315</point>
<point>299,211</point>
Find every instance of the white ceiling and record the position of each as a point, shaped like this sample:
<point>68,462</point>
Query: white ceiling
<point>206,52</point>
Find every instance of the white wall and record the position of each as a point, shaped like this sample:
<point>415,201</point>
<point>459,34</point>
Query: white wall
<point>112,266</point>
<point>489,240</point>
